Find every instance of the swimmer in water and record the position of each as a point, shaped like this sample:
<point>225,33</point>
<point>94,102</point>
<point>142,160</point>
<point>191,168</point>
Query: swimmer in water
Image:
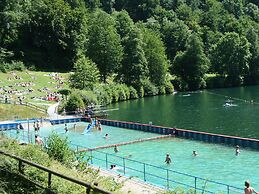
<point>116,149</point>
<point>237,150</point>
<point>168,159</point>
<point>106,136</point>
<point>194,153</point>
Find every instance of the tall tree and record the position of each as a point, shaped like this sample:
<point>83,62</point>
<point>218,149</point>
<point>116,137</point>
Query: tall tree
<point>86,74</point>
<point>134,66</point>
<point>156,57</point>
<point>104,46</point>
<point>253,72</point>
<point>175,35</point>
<point>191,65</point>
<point>230,56</point>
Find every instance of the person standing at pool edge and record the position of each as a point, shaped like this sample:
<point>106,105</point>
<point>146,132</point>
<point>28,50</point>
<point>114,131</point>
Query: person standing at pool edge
<point>168,159</point>
<point>66,129</point>
<point>248,189</point>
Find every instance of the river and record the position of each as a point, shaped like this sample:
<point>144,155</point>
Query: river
<point>229,111</point>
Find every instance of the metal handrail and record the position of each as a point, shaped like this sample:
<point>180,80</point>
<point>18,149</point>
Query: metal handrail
<point>51,172</point>
<point>196,178</point>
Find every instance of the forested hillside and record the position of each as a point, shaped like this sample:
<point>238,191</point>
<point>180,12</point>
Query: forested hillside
<point>141,43</point>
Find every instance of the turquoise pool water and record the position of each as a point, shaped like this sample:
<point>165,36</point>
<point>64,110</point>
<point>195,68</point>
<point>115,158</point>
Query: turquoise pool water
<point>214,162</point>
<point>146,160</point>
<point>88,140</point>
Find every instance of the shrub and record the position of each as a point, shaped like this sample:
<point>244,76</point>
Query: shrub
<point>149,88</point>
<point>14,65</point>
<point>59,150</point>
<point>169,88</point>
<point>102,94</point>
<point>141,92</point>
<point>74,102</point>
<point>161,90</point>
<point>133,93</point>
<point>88,97</point>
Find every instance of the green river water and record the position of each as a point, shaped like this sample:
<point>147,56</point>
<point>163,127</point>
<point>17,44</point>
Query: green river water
<point>231,111</point>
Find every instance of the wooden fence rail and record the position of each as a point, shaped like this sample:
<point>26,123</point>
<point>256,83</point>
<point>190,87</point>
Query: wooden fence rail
<point>22,161</point>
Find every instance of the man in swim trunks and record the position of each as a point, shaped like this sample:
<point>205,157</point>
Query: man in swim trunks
<point>248,189</point>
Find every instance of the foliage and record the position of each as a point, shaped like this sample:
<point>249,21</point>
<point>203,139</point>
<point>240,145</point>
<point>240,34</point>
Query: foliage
<point>74,102</point>
<point>156,58</point>
<point>149,88</point>
<point>88,97</point>
<point>134,66</point>
<point>86,74</point>
<point>12,182</point>
<point>13,66</point>
<point>104,46</point>
<point>230,57</point>
<point>133,40</point>
<point>59,150</point>
<point>191,65</point>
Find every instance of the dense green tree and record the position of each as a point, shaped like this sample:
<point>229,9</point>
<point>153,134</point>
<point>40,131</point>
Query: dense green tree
<point>107,5</point>
<point>191,65</point>
<point>252,75</point>
<point>93,4</point>
<point>140,9</point>
<point>123,23</point>
<point>86,74</point>
<point>230,56</point>
<point>175,35</point>
<point>234,6</point>
<point>156,58</point>
<point>253,11</point>
<point>134,65</point>
<point>104,46</point>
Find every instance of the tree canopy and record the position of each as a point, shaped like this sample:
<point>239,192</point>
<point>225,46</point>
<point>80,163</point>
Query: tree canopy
<point>135,42</point>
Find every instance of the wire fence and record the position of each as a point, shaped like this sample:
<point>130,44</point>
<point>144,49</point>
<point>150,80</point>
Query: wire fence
<point>160,176</point>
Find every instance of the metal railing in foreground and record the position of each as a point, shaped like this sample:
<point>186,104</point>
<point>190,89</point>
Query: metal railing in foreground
<point>153,174</point>
<point>148,172</point>
<point>21,162</point>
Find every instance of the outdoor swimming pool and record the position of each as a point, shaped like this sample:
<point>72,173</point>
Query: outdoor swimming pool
<point>146,160</point>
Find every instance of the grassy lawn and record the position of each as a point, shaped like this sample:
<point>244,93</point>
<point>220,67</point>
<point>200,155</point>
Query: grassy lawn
<point>40,80</point>
<point>12,112</point>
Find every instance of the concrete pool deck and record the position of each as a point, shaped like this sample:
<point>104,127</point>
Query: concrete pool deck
<point>131,185</point>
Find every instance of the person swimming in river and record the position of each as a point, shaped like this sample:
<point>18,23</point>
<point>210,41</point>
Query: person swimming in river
<point>168,159</point>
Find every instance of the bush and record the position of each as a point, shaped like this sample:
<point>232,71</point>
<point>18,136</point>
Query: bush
<point>88,97</point>
<point>169,87</point>
<point>74,102</point>
<point>59,150</point>
<point>103,96</point>
<point>133,93</point>
<point>13,66</point>
<point>149,88</point>
<point>161,90</point>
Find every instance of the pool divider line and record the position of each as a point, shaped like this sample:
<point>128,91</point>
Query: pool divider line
<point>126,143</point>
